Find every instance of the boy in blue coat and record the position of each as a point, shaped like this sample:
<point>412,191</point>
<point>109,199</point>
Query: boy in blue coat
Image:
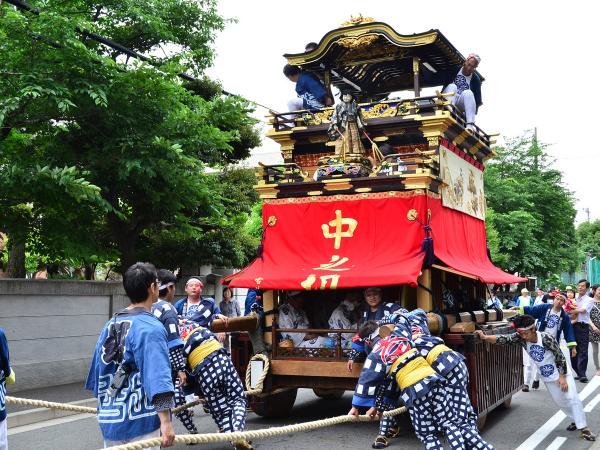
<point>130,373</point>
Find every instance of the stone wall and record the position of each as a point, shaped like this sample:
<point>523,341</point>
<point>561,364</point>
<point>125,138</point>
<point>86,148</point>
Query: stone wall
<point>52,327</point>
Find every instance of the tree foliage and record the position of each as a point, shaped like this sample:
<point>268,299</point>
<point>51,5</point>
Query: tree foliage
<point>530,212</point>
<point>104,156</point>
<point>588,238</point>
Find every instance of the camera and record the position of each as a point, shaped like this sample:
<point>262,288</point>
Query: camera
<point>119,380</point>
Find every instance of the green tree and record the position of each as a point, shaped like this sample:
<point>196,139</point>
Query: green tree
<point>532,213</point>
<point>588,238</point>
<point>134,129</point>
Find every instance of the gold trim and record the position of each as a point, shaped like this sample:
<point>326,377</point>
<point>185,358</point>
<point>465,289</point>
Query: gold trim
<point>356,31</point>
<point>352,197</point>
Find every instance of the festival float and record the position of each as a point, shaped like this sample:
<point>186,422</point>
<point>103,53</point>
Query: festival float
<point>339,214</point>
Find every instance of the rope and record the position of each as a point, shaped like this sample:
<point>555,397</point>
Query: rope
<point>53,405</point>
<point>254,434</point>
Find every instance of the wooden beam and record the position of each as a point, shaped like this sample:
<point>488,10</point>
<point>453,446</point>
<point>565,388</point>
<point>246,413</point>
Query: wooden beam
<point>333,369</point>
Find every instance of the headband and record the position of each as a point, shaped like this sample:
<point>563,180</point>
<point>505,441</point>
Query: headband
<point>194,278</point>
<point>519,330</point>
<point>165,286</point>
<point>475,56</point>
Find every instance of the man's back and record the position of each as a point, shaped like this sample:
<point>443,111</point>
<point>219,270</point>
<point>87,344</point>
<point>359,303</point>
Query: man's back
<point>135,338</point>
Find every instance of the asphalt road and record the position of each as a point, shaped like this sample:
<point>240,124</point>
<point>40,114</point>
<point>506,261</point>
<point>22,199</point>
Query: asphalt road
<point>506,429</point>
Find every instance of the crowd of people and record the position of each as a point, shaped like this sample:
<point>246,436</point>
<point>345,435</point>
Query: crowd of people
<point>142,367</point>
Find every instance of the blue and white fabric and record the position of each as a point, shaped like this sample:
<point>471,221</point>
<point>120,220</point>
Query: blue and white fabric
<point>202,313</point>
<point>143,345</point>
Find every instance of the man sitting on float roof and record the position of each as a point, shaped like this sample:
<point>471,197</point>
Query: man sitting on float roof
<point>311,92</point>
<point>465,83</point>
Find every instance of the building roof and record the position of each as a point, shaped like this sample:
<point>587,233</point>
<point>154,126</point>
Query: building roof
<point>371,59</point>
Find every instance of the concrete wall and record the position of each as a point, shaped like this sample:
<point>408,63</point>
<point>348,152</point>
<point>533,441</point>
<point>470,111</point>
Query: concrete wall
<point>52,327</point>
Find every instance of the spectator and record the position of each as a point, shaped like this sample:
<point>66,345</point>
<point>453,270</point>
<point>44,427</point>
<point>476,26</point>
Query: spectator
<point>494,301</point>
<point>525,299</point>
<point>582,330</point>
<point>539,298</point>
<point>7,377</point>
<point>132,353</point>
<point>595,327</point>
<point>311,92</point>
<point>228,306</point>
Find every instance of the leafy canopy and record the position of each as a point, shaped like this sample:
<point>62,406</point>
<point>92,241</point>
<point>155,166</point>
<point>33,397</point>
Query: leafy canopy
<point>531,213</point>
<point>116,146</point>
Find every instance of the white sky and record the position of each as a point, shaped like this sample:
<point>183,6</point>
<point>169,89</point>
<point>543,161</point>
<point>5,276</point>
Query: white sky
<point>539,59</point>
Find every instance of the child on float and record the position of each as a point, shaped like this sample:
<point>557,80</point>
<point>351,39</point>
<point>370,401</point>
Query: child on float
<point>545,352</point>
<point>216,378</point>
<point>421,388</point>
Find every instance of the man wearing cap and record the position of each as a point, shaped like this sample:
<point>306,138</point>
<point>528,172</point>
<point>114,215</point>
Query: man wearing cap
<point>201,310</point>
<point>582,329</point>
<point>465,84</point>
<point>376,309</point>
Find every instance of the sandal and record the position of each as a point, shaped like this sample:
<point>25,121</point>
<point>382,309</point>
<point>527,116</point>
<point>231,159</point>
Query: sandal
<point>242,444</point>
<point>572,427</point>
<point>380,442</point>
<point>587,434</point>
<point>393,432</point>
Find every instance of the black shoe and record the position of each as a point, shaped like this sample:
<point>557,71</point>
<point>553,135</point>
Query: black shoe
<point>577,377</point>
<point>583,380</point>
<point>536,384</point>
<point>525,388</point>
<point>572,427</point>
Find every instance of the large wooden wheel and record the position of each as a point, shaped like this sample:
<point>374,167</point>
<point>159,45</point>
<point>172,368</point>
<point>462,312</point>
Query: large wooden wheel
<point>274,405</point>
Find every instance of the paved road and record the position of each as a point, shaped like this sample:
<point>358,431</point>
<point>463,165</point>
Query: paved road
<point>506,429</point>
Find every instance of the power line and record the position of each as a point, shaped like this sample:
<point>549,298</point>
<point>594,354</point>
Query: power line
<point>116,46</point>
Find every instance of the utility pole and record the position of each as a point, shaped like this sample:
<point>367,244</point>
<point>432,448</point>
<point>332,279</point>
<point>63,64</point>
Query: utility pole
<point>535,146</point>
<point>587,211</point>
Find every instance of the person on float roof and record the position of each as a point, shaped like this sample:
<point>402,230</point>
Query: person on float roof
<point>465,83</point>
<point>312,94</point>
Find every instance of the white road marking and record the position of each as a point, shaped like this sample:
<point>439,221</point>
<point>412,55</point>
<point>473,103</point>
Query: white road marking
<point>592,404</point>
<point>49,423</point>
<point>537,437</point>
<point>557,443</point>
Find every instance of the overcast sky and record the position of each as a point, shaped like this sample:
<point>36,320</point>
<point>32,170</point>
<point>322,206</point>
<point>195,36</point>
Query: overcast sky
<point>539,59</point>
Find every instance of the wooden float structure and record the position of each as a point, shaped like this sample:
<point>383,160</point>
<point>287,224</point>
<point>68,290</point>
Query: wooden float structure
<point>350,231</point>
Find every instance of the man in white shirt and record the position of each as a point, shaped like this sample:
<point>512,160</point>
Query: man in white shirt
<point>539,299</point>
<point>582,329</point>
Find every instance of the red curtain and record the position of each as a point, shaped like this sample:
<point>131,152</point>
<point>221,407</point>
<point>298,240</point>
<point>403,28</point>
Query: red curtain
<point>348,241</point>
<point>339,241</point>
<point>460,242</point>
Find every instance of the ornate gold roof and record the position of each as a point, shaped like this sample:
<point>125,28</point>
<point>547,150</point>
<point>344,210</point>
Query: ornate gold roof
<point>371,58</point>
